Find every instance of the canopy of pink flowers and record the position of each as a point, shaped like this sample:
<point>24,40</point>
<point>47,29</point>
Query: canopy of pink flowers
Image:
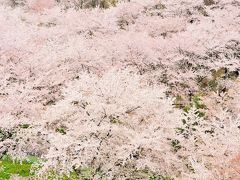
<point>104,76</point>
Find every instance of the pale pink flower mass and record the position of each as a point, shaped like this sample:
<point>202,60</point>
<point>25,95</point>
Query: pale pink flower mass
<point>139,90</point>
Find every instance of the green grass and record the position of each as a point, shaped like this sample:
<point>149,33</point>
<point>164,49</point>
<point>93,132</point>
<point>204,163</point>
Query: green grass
<point>9,167</point>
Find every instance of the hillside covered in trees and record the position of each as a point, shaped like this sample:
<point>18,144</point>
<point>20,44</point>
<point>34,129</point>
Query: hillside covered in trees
<point>107,89</point>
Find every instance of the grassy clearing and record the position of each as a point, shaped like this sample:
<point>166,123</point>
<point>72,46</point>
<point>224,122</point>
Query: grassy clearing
<point>24,168</point>
<point>9,167</point>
